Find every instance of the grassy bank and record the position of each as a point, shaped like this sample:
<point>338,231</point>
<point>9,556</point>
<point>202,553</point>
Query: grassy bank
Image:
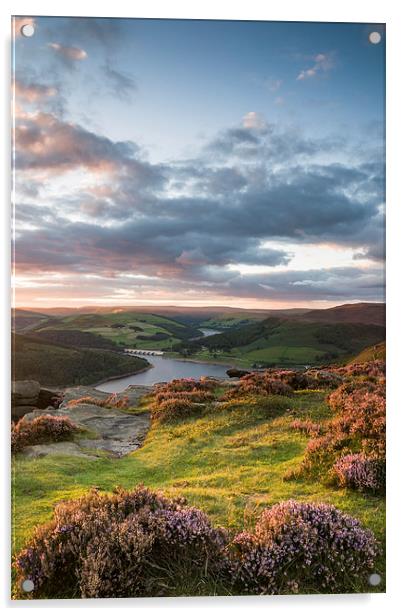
<point>229,463</point>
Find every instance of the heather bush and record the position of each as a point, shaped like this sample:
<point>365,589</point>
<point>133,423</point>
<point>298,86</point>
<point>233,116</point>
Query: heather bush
<point>112,401</point>
<point>322,451</point>
<point>357,428</point>
<point>302,547</point>
<point>307,427</point>
<point>257,383</point>
<point>41,429</point>
<point>181,385</point>
<point>127,544</point>
<point>174,408</point>
<point>363,418</point>
<point>181,398</point>
<point>323,379</point>
<point>194,396</point>
<point>336,399</point>
<point>360,473</point>
<point>375,368</point>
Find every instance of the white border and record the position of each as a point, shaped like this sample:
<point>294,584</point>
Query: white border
<point>378,11</point>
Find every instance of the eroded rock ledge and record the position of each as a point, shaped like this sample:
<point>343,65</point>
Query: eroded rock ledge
<point>110,431</point>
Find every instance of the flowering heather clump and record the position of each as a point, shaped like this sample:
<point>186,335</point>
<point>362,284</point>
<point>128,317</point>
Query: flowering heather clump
<point>194,396</point>
<point>174,408</point>
<point>259,384</point>
<point>323,379</point>
<point>127,544</point>
<point>181,398</point>
<point>111,401</point>
<point>180,385</point>
<point>307,427</point>
<point>322,451</point>
<point>302,547</point>
<point>336,399</point>
<point>361,473</point>
<point>375,368</point>
<point>42,429</point>
<point>363,418</point>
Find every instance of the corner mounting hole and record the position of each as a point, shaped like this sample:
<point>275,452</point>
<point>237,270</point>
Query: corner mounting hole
<point>374,579</point>
<point>27,30</point>
<point>28,585</point>
<point>375,38</point>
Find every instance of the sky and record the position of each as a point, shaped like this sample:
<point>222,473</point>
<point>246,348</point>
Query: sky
<point>197,163</point>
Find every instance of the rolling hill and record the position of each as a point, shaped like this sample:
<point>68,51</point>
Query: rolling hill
<point>55,365</point>
<point>112,330</point>
<point>378,351</point>
<point>368,313</point>
<point>292,341</point>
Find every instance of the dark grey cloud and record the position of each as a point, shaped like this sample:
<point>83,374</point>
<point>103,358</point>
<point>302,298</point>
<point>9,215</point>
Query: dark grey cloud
<point>192,222</point>
<point>121,84</point>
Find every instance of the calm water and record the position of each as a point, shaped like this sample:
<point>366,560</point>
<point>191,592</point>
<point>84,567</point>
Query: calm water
<point>165,369</point>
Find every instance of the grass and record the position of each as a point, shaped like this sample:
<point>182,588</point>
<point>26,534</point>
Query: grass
<point>231,464</point>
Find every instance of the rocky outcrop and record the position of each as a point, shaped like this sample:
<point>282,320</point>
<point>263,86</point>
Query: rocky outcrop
<point>112,430</point>
<point>28,395</point>
<point>236,373</point>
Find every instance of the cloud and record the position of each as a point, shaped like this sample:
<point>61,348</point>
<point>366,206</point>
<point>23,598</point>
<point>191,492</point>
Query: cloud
<point>322,64</point>
<point>275,85</point>
<point>254,120</point>
<point>122,84</point>
<point>69,55</point>
<point>200,225</point>
<point>45,143</point>
<point>33,92</point>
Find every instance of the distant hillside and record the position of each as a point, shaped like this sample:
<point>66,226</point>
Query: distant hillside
<point>114,330</point>
<point>25,320</point>
<point>60,366</point>
<point>277,341</point>
<point>370,314</point>
<point>74,338</point>
<point>378,351</point>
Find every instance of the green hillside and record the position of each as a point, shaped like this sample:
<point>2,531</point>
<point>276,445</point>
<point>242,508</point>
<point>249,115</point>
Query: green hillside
<point>124,329</point>
<point>277,341</point>
<point>60,366</point>
<point>378,351</point>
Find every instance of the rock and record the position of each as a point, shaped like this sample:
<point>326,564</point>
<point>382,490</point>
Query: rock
<point>24,393</point>
<point>114,431</point>
<point>20,411</point>
<point>236,373</point>
<point>64,448</point>
<point>49,397</point>
<point>133,393</point>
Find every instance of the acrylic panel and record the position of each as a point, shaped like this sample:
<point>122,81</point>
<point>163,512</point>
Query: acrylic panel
<point>198,357</point>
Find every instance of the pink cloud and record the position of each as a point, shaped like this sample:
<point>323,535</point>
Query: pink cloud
<point>322,63</point>
<point>33,92</point>
<point>69,53</point>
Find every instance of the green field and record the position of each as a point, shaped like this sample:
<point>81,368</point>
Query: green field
<point>229,463</point>
<point>285,342</point>
<point>125,329</point>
